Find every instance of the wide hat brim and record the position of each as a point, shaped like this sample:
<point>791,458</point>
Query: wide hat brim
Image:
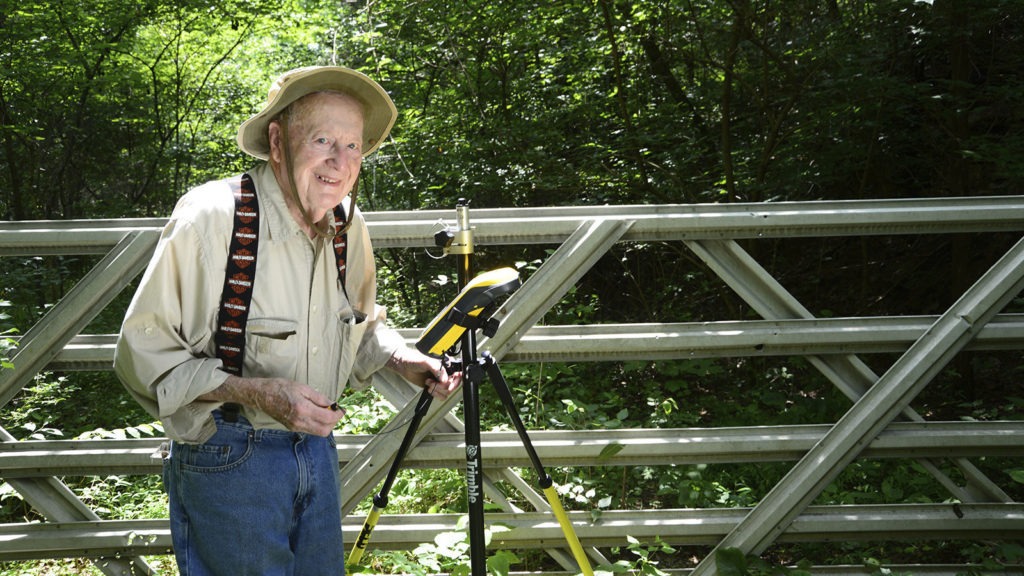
<point>379,112</point>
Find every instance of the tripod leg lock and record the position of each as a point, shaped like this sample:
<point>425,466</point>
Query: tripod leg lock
<point>476,372</point>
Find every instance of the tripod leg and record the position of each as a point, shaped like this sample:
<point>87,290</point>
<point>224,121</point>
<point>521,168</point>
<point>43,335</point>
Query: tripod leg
<point>380,500</point>
<point>363,540</point>
<point>474,469</point>
<point>545,482</point>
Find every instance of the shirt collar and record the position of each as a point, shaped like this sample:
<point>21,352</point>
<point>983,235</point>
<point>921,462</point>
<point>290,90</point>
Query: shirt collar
<point>279,220</point>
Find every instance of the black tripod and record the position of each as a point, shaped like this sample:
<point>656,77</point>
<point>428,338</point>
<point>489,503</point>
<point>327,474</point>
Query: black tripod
<point>487,367</point>
<point>455,330</point>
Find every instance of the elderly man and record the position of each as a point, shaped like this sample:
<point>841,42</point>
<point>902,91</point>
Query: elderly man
<point>257,308</point>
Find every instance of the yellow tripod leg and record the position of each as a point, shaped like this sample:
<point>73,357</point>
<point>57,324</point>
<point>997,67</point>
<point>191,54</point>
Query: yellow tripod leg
<point>567,529</point>
<point>364,536</point>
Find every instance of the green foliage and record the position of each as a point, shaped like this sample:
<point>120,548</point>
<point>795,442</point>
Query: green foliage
<point>35,413</point>
<point>448,553</point>
<point>643,561</point>
<point>732,562</point>
<point>147,430</point>
<point>114,109</point>
<point>62,406</point>
<point>7,345</point>
<point>366,412</point>
<point>997,556</point>
<point>124,497</point>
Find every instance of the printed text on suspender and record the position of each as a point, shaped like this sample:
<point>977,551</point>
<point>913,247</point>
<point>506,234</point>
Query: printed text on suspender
<point>240,274</point>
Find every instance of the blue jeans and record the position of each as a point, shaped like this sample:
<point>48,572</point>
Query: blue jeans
<point>259,502</point>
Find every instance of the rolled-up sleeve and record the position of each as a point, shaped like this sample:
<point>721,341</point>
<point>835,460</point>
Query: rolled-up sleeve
<point>380,340</point>
<point>169,324</point>
<point>377,346</point>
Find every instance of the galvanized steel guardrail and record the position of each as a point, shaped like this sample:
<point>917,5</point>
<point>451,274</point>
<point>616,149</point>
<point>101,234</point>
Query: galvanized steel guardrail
<point>585,233</point>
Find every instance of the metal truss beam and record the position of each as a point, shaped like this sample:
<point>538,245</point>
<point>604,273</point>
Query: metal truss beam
<point>59,504</point>
<point>103,283</point>
<point>588,233</point>
<point>876,408</point>
<point>686,527</point>
<point>44,341</point>
<point>669,341</point>
<point>415,229</point>
<point>633,447</point>
<point>847,372</point>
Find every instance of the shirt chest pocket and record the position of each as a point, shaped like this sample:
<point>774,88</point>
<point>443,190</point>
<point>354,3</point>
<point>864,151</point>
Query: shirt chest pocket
<point>271,348</point>
<point>349,331</point>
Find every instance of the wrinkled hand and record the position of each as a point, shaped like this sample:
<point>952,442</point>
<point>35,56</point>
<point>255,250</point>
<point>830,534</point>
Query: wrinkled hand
<point>425,372</point>
<point>297,406</point>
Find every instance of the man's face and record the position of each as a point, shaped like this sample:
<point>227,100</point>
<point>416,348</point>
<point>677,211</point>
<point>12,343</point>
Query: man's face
<point>325,135</point>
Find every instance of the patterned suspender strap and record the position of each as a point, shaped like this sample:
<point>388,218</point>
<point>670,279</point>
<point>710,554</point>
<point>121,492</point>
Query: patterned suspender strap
<point>236,297</point>
<point>240,277</point>
<point>340,244</point>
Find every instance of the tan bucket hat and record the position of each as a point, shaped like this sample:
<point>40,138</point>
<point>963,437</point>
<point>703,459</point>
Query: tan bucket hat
<point>378,109</point>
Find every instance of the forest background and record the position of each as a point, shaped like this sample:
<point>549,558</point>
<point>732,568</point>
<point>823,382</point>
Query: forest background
<point>114,108</point>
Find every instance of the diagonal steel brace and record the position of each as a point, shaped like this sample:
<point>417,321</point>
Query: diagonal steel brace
<point>43,342</point>
<point>847,372</point>
<point>883,402</point>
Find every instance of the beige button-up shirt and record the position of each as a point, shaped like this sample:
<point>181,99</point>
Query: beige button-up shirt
<point>302,325</point>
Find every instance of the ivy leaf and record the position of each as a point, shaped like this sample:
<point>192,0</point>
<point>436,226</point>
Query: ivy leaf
<point>610,450</point>
<point>501,562</point>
